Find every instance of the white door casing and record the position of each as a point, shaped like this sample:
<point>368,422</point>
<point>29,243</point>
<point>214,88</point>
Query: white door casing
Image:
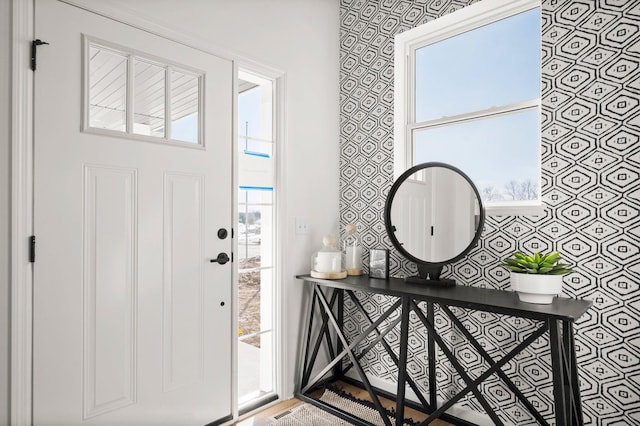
<point>132,322</point>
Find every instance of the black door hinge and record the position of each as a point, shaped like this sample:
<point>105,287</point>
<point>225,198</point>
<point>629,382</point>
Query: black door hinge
<point>32,249</point>
<point>34,47</point>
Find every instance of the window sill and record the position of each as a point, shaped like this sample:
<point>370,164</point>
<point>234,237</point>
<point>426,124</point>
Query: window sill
<point>515,210</point>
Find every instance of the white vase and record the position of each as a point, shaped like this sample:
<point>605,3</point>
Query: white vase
<point>535,288</point>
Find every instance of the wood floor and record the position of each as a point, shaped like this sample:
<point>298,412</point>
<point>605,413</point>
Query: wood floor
<point>263,417</point>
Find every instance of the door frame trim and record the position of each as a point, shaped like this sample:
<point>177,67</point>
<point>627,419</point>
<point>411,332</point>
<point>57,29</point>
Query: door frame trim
<point>22,14</point>
<point>22,172</point>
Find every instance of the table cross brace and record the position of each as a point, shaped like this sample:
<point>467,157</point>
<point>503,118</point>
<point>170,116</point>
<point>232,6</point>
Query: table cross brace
<point>324,330</point>
<point>388,349</point>
<point>361,373</point>
<point>499,372</point>
<point>472,385</point>
<point>338,358</point>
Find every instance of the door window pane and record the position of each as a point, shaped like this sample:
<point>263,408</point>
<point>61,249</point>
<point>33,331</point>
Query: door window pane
<point>256,364</point>
<point>247,195</point>
<point>255,293</point>
<point>249,305</point>
<point>185,91</point>
<point>255,228</point>
<point>500,154</point>
<point>148,99</point>
<point>112,90</point>
<point>107,89</point>
<point>255,112</point>
<point>494,65</point>
<point>255,148</point>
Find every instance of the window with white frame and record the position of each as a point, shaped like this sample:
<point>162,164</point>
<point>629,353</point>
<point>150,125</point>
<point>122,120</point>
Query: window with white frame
<point>468,94</point>
<point>134,95</point>
<point>256,236</point>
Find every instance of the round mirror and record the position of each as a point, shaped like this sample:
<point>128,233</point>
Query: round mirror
<point>433,216</point>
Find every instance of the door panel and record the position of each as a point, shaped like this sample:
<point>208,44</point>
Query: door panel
<point>132,323</point>
<point>183,280</point>
<point>109,226</point>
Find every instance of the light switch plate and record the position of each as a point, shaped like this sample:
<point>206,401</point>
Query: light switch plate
<point>303,227</point>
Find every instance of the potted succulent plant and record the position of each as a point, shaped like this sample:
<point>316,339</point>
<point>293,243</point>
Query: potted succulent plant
<point>536,278</point>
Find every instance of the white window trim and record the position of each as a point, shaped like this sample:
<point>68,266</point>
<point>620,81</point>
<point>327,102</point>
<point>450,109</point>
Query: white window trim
<point>467,18</point>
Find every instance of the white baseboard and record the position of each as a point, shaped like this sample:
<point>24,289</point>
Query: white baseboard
<point>456,410</point>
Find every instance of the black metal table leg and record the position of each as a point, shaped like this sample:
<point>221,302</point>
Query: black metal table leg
<point>402,363</point>
<point>558,371</point>
<point>431,351</point>
<point>337,371</point>
<point>303,357</point>
<point>574,383</point>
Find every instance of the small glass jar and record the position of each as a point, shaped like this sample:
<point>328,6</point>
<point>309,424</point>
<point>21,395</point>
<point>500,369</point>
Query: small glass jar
<point>327,260</point>
<point>352,250</point>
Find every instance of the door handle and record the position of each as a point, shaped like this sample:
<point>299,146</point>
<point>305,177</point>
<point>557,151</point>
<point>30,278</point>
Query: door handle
<point>221,259</point>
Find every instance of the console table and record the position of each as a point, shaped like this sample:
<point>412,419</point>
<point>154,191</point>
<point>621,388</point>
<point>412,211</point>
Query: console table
<point>326,305</point>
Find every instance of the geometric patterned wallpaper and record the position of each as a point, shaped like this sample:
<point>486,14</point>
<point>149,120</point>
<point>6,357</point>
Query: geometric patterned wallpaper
<point>590,185</point>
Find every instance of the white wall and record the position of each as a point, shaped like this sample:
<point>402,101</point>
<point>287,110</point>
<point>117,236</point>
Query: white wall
<point>301,38</point>
<point>5,205</point>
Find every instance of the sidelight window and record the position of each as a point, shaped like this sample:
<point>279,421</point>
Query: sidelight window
<point>256,240</point>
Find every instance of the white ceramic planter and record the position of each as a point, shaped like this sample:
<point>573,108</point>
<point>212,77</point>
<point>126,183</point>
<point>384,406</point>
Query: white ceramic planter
<point>534,288</point>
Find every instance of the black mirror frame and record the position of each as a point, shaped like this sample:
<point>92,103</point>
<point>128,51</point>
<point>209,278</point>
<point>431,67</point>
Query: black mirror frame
<point>429,272</point>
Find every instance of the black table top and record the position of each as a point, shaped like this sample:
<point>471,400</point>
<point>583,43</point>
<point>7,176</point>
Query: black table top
<point>483,299</point>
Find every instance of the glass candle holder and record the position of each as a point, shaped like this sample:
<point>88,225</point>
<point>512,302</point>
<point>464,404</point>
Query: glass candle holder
<point>352,250</point>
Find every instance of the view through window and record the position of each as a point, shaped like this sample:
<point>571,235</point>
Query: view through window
<point>474,95</point>
<point>256,246</point>
<point>112,90</point>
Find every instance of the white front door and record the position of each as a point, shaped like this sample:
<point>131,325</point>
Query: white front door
<point>132,320</point>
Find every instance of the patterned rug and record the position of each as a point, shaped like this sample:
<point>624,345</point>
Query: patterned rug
<point>310,415</point>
